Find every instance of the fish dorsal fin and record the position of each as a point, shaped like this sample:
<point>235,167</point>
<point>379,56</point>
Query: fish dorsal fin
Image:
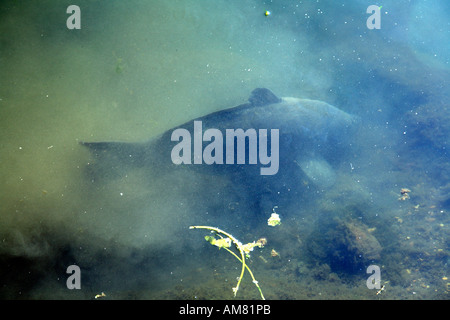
<point>262,96</point>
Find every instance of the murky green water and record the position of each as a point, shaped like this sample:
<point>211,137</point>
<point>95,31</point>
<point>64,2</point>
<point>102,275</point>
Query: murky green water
<point>136,69</point>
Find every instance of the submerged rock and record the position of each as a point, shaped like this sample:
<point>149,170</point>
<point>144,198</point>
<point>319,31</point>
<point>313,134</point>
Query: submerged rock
<point>346,245</point>
<point>359,240</point>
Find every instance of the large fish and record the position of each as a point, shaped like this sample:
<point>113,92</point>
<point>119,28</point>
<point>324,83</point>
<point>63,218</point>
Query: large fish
<point>267,143</point>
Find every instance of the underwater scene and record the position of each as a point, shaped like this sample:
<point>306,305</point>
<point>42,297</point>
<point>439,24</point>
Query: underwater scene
<point>225,150</point>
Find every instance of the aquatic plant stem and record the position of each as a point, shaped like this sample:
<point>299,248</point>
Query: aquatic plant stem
<point>239,246</point>
<point>249,271</point>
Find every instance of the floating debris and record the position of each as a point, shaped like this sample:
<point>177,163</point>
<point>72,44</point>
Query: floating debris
<point>274,253</point>
<point>249,246</point>
<point>404,194</point>
<point>261,242</point>
<point>220,243</point>
<point>399,220</point>
<point>100,295</point>
<point>381,289</point>
<point>274,219</point>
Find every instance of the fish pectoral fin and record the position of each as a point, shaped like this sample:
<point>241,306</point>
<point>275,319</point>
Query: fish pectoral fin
<point>319,171</point>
